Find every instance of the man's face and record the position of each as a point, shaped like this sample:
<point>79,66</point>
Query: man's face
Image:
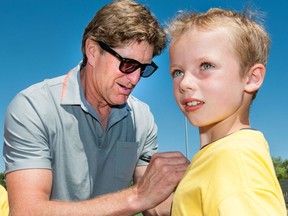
<point>107,83</point>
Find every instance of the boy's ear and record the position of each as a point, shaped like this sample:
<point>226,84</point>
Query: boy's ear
<point>255,78</point>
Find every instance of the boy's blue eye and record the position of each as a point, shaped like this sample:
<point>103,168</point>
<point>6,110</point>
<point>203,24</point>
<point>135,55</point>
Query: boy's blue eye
<point>177,73</point>
<point>206,66</point>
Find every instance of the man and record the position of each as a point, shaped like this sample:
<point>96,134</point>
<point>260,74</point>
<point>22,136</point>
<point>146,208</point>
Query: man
<point>73,143</point>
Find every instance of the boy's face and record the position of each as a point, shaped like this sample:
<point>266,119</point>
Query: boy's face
<point>206,77</point>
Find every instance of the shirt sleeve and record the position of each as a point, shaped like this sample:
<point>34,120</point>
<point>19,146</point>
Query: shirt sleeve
<point>146,130</point>
<point>151,144</point>
<point>249,174</point>
<point>25,139</point>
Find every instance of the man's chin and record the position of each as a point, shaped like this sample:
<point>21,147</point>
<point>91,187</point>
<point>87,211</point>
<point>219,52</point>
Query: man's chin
<point>120,101</point>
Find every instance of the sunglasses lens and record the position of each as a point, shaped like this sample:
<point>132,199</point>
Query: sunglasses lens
<point>148,71</point>
<point>129,66</point>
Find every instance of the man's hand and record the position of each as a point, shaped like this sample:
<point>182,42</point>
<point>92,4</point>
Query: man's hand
<point>161,177</point>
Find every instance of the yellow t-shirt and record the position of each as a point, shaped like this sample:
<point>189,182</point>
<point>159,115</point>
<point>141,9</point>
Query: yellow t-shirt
<point>4,207</point>
<point>231,176</point>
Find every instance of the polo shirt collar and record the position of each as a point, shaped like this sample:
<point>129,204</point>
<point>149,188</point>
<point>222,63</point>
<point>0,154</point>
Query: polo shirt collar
<point>71,88</point>
<point>72,94</point>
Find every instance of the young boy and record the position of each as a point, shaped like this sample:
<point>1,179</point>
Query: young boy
<point>4,206</point>
<point>218,62</point>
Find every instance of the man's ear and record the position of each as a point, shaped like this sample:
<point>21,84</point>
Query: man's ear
<point>91,47</point>
<point>255,78</point>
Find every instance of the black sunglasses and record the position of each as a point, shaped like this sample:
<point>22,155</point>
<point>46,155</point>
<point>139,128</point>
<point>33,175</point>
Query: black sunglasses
<point>129,65</point>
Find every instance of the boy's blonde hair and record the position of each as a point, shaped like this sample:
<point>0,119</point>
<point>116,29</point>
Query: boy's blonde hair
<point>250,40</point>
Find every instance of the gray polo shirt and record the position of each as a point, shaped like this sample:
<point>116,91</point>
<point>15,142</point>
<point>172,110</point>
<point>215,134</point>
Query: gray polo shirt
<point>50,125</point>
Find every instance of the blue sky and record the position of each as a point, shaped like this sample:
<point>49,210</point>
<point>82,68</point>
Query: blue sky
<point>42,39</point>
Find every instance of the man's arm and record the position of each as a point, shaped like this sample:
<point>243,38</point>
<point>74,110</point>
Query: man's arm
<point>29,191</point>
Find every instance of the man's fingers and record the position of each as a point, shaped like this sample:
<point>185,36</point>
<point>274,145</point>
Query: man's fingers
<point>170,158</point>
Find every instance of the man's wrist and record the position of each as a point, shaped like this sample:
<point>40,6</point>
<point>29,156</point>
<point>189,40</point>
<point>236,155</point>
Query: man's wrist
<point>135,202</point>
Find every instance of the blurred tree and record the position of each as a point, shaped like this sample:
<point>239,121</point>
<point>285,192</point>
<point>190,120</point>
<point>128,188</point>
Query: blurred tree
<point>281,167</point>
<point>2,180</point>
